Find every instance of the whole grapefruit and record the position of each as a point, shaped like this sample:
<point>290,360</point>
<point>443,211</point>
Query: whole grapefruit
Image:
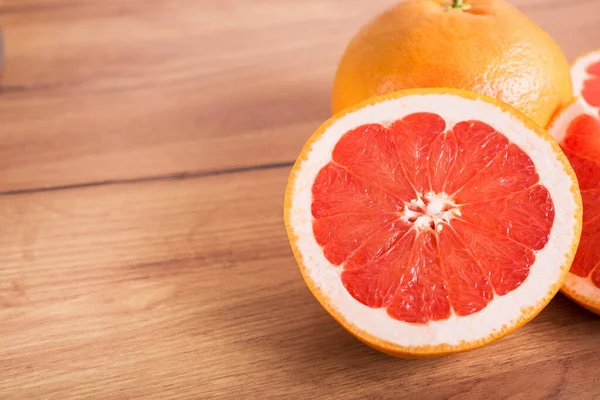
<point>486,46</point>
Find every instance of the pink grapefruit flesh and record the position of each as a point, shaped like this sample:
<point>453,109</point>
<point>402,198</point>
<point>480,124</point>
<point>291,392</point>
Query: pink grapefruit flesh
<point>581,145</point>
<point>428,220</point>
<point>591,86</point>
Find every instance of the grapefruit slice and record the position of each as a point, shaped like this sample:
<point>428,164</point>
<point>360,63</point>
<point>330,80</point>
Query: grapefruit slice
<point>578,133</point>
<point>432,221</point>
<point>585,74</point>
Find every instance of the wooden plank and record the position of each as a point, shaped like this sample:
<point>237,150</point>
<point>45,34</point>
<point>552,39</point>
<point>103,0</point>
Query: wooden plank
<point>188,289</point>
<point>119,90</point>
<point>114,90</point>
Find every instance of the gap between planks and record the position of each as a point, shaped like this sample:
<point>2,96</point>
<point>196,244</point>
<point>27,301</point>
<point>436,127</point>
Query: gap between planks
<point>180,176</point>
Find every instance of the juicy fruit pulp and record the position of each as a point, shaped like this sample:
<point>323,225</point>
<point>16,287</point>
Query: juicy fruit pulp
<point>427,220</point>
<point>591,86</point>
<point>581,145</point>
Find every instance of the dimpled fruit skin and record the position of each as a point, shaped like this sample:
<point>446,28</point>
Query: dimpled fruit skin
<point>491,48</point>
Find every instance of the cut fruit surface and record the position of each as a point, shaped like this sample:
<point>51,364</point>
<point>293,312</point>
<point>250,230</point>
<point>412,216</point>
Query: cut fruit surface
<point>432,221</point>
<point>579,135</point>
<point>585,74</point>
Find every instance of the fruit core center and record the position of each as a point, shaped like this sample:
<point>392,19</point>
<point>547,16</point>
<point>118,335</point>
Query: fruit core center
<point>429,210</point>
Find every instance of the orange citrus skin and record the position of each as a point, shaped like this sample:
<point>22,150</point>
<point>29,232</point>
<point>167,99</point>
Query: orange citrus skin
<point>580,300</point>
<point>491,48</point>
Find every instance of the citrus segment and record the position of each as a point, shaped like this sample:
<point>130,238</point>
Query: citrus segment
<point>582,137</point>
<point>369,154</point>
<point>469,289</point>
<point>441,158</point>
<point>588,170</point>
<point>594,69</point>
<point>587,259</point>
<point>588,254</point>
<point>591,86</point>
<point>412,137</point>
<point>478,145</point>
<point>383,272</point>
<point>427,220</point>
<point>591,203</point>
<point>525,217</point>
<point>421,295</point>
<point>498,177</point>
<point>505,262</point>
<point>367,197</point>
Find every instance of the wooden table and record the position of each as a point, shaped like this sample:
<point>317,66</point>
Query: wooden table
<point>144,149</point>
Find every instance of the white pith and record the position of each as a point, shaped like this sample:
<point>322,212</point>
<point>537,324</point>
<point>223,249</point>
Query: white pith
<point>558,127</point>
<point>430,208</point>
<point>579,76</point>
<point>503,311</point>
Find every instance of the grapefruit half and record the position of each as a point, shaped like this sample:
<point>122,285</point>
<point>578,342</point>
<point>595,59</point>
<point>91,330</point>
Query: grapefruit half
<point>577,129</point>
<point>432,221</point>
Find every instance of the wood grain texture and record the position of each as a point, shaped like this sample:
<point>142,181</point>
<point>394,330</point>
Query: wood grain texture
<point>144,151</point>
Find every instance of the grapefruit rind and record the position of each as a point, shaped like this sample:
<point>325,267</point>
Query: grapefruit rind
<point>505,313</point>
<point>582,291</point>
